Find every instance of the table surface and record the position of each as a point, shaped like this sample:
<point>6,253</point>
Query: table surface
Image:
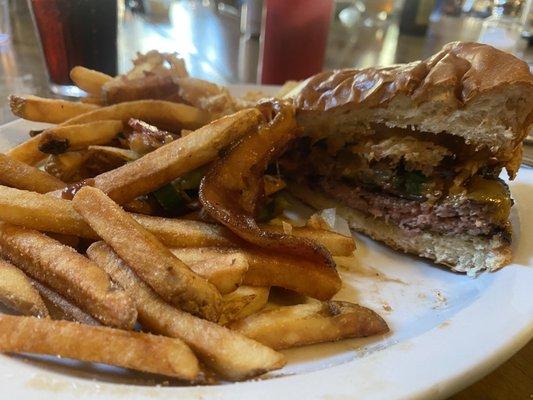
<point>223,56</point>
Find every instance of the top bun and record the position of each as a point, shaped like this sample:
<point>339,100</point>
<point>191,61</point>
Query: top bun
<point>470,90</point>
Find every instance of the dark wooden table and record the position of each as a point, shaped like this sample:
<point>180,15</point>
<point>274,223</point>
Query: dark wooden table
<point>211,43</point>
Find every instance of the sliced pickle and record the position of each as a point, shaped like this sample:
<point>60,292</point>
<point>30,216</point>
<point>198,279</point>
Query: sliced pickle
<point>494,192</point>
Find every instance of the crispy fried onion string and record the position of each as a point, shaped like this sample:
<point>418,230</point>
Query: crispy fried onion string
<point>232,191</point>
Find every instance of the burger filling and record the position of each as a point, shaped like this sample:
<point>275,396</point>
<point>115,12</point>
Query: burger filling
<point>418,181</point>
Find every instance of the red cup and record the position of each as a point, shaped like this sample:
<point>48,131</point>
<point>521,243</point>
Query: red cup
<point>294,38</point>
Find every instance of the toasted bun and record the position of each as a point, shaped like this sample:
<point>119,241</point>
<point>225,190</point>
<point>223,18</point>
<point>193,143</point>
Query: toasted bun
<point>462,253</point>
<point>470,90</point>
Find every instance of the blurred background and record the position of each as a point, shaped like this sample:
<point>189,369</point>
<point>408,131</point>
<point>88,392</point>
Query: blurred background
<point>241,41</point>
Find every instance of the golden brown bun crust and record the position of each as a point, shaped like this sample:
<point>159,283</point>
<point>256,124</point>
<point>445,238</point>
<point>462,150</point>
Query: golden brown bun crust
<point>469,90</point>
<point>471,68</point>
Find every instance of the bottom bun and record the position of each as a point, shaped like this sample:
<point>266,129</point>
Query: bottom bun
<point>462,253</point>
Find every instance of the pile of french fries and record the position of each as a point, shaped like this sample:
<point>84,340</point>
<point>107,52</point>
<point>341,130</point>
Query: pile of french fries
<point>97,276</point>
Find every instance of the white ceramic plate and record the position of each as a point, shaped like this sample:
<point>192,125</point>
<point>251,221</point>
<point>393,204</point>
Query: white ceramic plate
<point>448,330</point>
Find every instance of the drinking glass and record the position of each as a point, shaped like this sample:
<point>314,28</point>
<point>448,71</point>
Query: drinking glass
<point>294,38</point>
<point>76,32</point>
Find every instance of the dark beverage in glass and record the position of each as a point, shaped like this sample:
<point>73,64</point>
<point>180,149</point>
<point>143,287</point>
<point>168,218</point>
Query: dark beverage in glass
<point>76,32</point>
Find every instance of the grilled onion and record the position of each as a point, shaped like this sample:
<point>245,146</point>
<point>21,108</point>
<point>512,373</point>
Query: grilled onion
<point>232,191</point>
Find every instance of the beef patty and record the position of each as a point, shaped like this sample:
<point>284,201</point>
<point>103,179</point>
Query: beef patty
<point>449,217</point>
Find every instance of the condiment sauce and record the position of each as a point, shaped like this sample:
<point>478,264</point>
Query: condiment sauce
<point>70,191</point>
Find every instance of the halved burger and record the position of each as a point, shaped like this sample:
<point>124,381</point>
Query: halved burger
<point>411,154</point>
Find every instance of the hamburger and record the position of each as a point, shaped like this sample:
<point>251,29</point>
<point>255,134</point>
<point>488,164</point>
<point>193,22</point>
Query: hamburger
<point>411,155</point>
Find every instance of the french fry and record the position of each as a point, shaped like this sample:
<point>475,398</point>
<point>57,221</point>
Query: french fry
<point>183,232</point>
<point>67,272</point>
<point>161,113</point>
<point>231,355</point>
<point>89,80</point>
<point>301,276</point>
<point>60,139</point>
<point>80,137</point>
<point>61,308</point>
<point>39,109</point>
<point>337,244</point>
<point>186,233</point>
<point>47,213</point>
<point>43,213</point>
<point>310,323</point>
<point>50,214</point>
<point>244,301</point>
<point>175,159</point>
<point>266,269</point>
<point>223,269</point>
<point>154,263</point>
<point>17,293</point>
<point>139,351</point>
<point>17,174</point>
